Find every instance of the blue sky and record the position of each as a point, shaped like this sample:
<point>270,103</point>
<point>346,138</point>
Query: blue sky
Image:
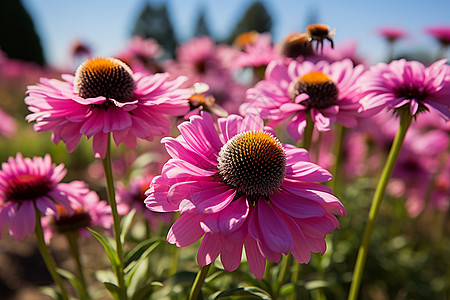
<point>106,24</point>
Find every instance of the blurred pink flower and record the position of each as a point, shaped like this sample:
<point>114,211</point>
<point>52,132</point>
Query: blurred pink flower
<point>105,96</point>
<point>8,124</point>
<point>440,33</point>
<point>133,196</point>
<point>416,174</point>
<point>142,54</point>
<point>87,211</point>
<point>201,60</point>
<point>258,53</point>
<point>407,84</point>
<point>328,92</point>
<point>392,33</point>
<point>243,188</point>
<point>26,183</point>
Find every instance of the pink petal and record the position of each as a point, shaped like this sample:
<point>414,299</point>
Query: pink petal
<point>209,249</point>
<point>318,193</point>
<point>301,251</point>
<point>183,171</point>
<point>230,126</point>
<point>23,222</point>
<point>255,260</point>
<point>307,171</point>
<point>296,206</point>
<point>186,230</point>
<point>157,196</point>
<point>251,122</point>
<point>231,253</point>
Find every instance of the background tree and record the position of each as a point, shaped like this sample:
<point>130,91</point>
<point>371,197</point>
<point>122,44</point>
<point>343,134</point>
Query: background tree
<point>256,17</point>
<point>154,22</point>
<point>201,27</point>
<point>18,37</point>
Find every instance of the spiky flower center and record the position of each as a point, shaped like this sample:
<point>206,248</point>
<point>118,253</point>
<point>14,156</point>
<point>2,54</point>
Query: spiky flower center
<point>27,187</point>
<point>321,89</point>
<point>70,222</point>
<point>253,163</point>
<point>105,76</point>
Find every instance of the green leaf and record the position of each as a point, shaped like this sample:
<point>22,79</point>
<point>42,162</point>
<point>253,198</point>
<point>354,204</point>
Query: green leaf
<point>145,291</point>
<point>76,283</point>
<point>250,292</point>
<point>110,251</point>
<point>287,289</point>
<point>131,269</point>
<point>113,289</point>
<point>125,225</point>
<point>138,251</point>
<point>316,284</point>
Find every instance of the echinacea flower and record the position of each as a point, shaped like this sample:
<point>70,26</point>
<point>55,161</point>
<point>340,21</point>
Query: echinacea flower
<point>391,33</point>
<point>409,85</point>
<point>327,92</point>
<point>243,188</point>
<point>27,183</point>
<point>258,52</point>
<point>106,97</point>
<point>86,211</point>
<point>440,33</point>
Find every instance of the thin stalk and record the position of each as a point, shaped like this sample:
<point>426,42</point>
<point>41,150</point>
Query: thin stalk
<point>72,239</point>
<point>197,286</point>
<point>45,253</point>
<point>285,268</point>
<point>294,279</point>
<point>111,195</point>
<point>405,121</point>
<point>308,132</point>
<point>337,151</point>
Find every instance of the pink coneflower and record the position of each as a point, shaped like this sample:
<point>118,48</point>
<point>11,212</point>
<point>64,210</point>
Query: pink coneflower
<point>325,91</point>
<point>133,196</point>
<point>26,183</point>
<point>392,33</point>
<point>142,54</point>
<point>201,60</point>
<point>243,188</point>
<point>409,85</point>
<point>105,96</point>
<point>440,33</point>
<point>256,53</point>
<point>87,211</point>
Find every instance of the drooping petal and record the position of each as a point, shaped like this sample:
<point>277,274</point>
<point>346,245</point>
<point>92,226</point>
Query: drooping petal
<point>186,230</point>
<point>209,249</point>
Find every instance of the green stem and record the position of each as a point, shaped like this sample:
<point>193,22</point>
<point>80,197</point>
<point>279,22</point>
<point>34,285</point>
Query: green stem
<point>308,132</point>
<point>45,253</point>
<point>111,194</point>
<point>294,279</point>
<point>337,150</point>
<point>405,121</point>
<point>72,239</point>
<point>285,268</point>
<point>197,286</point>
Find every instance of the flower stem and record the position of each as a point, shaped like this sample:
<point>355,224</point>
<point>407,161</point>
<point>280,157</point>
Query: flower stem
<point>111,194</point>
<point>308,132</point>
<point>285,268</point>
<point>337,151</point>
<point>72,239</point>
<point>45,253</point>
<point>197,286</point>
<point>405,121</point>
